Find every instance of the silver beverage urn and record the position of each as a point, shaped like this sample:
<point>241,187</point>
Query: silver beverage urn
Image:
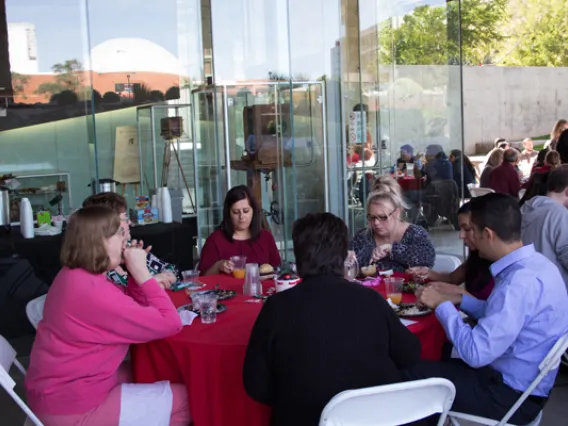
<point>4,207</point>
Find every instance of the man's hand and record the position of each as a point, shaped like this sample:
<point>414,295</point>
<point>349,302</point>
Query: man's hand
<point>429,296</point>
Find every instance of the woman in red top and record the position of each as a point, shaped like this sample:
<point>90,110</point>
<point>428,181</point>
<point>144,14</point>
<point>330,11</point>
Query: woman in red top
<point>240,234</point>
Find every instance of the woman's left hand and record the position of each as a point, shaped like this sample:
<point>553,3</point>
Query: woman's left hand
<point>165,279</point>
<point>140,244</point>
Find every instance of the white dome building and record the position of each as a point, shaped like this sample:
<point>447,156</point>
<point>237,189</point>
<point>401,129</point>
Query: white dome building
<point>132,55</point>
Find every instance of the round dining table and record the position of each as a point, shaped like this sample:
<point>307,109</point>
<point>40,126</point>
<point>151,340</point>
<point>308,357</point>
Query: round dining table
<point>208,358</point>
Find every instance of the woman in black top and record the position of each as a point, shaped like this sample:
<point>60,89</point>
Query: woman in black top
<point>324,336</point>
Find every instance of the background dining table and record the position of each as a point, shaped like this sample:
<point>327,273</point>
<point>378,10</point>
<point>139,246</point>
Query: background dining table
<point>208,358</point>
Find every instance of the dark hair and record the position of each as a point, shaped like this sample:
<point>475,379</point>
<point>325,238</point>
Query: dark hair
<point>558,179</point>
<point>503,145</point>
<point>465,208</point>
<point>539,162</point>
<point>235,194</point>
<point>499,141</point>
<point>500,213</point>
<point>320,245</point>
<point>83,245</point>
<point>112,200</point>
<point>536,186</point>
<point>466,161</point>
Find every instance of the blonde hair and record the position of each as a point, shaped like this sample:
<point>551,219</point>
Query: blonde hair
<point>495,157</point>
<point>386,189</point>
<point>553,159</point>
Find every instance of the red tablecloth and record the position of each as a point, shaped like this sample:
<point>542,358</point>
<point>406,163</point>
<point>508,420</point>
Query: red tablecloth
<point>409,183</point>
<point>209,358</point>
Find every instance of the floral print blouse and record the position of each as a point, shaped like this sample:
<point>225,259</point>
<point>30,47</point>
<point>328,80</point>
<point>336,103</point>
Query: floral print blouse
<point>414,249</point>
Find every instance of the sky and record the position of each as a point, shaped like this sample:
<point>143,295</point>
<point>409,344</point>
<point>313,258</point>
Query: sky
<point>250,37</point>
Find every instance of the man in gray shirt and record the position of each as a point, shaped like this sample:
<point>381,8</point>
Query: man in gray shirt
<point>545,221</point>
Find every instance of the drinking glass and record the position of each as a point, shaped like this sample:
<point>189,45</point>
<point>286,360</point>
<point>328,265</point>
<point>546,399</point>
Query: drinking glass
<point>190,276</point>
<point>207,307</point>
<point>252,285</point>
<point>351,269</point>
<point>394,287</point>
<point>239,263</point>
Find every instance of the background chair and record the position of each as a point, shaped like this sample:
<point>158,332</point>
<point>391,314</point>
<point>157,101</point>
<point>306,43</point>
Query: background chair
<point>549,363</point>
<point>446,263</point>
<point>34,310</point>
<point>7,358</point>
<point>389,405</point>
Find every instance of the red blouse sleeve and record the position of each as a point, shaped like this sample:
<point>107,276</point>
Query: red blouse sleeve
<point>209,254</point>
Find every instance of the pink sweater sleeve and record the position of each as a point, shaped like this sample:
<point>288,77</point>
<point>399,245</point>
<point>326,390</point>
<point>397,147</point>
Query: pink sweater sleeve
<point>118,318</point>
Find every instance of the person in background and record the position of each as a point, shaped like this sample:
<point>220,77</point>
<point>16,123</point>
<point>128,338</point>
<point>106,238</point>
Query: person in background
<point>516,327</point>
<point>557,130</point>
<point>505,178</point>
<point>301,353</point>
<point>474,272</point>
<point>463,170</point>
<point>406,156</point>
<point>388,241</point>
<point>536,185</point>
<point>551,161</point>
<point>240,234</point>
<point>437,167</point>
<point>562,147</point>
<point>502,143</point>
<point>539,162</point>
<point>76,371</point>
<point>528,157</point>
<point>165,273</point>
<point>545,220</point>
<point>495,159</point>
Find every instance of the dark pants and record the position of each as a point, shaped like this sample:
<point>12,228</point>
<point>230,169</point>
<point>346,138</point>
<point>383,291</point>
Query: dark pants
<point>479,391</point>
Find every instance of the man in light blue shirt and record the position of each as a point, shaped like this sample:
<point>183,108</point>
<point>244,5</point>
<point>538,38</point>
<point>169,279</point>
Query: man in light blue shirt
<point>517,326</point>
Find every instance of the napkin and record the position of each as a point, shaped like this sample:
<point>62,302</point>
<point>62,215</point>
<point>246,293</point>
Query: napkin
<point>406,322</point>
<point>187,317</point>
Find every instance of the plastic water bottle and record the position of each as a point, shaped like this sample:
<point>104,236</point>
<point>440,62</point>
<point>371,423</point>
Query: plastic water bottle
<point>26,219</point>
<point>166,205</point>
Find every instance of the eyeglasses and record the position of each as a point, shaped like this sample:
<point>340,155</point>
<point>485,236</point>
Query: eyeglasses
<point>380,218</point>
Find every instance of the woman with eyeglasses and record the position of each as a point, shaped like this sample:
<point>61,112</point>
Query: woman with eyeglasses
<point>76,374</point>
<point>165,273</point>
<point>389,242</point>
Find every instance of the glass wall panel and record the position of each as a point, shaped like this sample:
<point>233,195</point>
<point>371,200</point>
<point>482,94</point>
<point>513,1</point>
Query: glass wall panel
<point>274,112</point>
<point>402,105</point>
<point>47,129</point>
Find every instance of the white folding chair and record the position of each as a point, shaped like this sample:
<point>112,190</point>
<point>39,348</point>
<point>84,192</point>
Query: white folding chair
<point>388,405</point>
<point>549,363</point>
<point>34,310</point>
<point>478,192</point>
<point>446,263</point>
<point>7,358</point>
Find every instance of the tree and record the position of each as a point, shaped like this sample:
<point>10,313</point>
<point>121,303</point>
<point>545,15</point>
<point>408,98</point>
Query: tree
<point>111,98</point>
<point>430,35</point>
<point>539,34</point>
<point>19,83</point>
<point>69,76</point>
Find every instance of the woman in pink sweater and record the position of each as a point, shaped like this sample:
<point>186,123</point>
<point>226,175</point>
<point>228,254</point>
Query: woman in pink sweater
<point>75,372</point>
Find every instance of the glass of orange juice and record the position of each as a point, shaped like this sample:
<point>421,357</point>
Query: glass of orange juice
<point>239,263</point>
<point>394,289</point>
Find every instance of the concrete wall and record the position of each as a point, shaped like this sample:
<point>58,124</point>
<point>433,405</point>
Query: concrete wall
<point>512,102</point>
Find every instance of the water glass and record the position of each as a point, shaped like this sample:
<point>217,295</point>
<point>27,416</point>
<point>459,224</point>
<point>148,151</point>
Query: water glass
<point>351,269</point>
<point>252,285</point>
<point>190,276</point>
<point>394,287</point>
<point>238,266</point>
<point>207,307</point>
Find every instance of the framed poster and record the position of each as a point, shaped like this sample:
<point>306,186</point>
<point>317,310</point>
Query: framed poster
<point>126,155</point>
